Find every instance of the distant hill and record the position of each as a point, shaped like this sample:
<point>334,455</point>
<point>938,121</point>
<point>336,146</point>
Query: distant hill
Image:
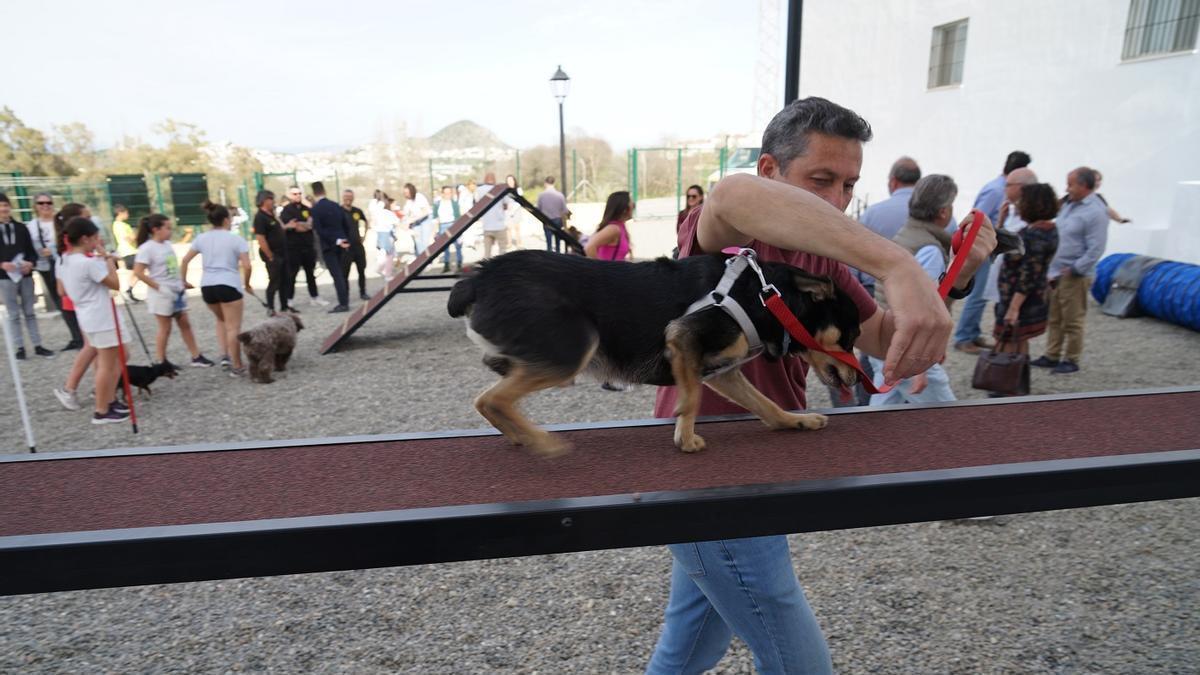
<point>465,134</point>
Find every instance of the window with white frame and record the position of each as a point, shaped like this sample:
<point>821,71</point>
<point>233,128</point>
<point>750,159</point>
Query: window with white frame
<point>1160,27</point>
<point>947,53</point>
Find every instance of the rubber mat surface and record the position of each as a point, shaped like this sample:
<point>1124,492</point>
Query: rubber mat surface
<point>204,487</point>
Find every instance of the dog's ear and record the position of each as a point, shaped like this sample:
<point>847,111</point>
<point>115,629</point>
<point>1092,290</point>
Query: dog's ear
<point>299,324</point>
<point>822,288</point>
<point>245,338</point>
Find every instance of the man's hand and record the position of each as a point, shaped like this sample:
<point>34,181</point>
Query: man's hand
<point>8,267</point>
<point>45,253</point>
<point>26,267</point>
<point>985,243</point>
<point>918,382</point>
<point>922,324</point>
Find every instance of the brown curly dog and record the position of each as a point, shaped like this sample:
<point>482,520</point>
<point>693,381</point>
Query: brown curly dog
<point>269,345</point>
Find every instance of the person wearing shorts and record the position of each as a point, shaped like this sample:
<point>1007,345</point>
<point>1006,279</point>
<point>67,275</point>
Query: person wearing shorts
<point>88,280</point>
<point>126,246</point>
<point>225,254</point>
<point>156,265</point>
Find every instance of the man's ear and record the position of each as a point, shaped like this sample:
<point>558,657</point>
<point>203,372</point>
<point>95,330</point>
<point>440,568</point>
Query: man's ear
<point>767,166</point>
<point>821,288</point>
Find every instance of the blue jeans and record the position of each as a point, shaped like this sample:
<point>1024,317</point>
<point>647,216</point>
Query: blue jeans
<point>442,227</point>
<point>742,586</point>
<point>968,324</point>
<point>386,241</point>
<point>937,391</point>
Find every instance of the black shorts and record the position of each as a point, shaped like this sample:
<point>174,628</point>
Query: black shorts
<point>222,293</point>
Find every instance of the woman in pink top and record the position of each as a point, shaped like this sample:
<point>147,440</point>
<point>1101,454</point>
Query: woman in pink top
<point>611,240</point>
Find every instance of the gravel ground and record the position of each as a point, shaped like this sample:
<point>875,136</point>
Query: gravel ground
<point>1102,590</point>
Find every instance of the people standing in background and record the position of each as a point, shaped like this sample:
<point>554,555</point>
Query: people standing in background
<point>553,205</point>
<point>466,198</point>
<point>968,335</point>
<point>332,225</point>
<point>88,274</point>
<point>61,219</point>
<point>611,240</point>
<point>513,212</point>
<point>356,255</point>
<point>221,285</point>
<point>1010,220</point>
<point>41,231</point>
<point>17,258</point>
<point>494,227</point>
<point>125,238</point>
<point>383,228</point>
<point>301,248</point>
<point>1022,311</point>
<point>445,212</point>
<point>156,266</point>
<point>1082,236</point>
<point>692,198</point>
<point>272,248</point>
<point>417,217</point>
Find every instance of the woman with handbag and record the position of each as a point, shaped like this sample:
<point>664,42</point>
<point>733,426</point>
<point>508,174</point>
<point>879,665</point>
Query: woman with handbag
<point>1023,310</point>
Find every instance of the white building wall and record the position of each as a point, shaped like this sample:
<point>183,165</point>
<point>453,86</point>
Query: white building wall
<point>1041,76</point>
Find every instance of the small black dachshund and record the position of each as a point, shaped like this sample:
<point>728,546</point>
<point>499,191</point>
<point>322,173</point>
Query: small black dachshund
<point>541,318</point>
<point>142,377</point>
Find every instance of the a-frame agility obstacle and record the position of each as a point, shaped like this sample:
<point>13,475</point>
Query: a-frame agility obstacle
<point>412,272</point>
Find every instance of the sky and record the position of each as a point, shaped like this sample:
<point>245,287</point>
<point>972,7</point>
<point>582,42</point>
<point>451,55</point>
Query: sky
<point>299,74</point>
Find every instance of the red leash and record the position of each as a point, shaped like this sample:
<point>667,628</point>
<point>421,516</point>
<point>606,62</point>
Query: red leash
<point>124,369</point>
<point>770,297</point>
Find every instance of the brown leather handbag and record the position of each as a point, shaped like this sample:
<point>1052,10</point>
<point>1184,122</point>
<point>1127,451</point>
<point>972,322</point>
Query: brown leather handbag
<point>1002,372</point>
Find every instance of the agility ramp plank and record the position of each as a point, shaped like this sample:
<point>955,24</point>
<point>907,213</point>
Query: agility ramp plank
<point>139,516</point>
<point>399,283</point>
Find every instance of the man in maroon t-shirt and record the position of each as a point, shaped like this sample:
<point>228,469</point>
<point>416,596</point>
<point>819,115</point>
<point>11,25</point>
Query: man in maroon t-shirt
<point>747,586</point>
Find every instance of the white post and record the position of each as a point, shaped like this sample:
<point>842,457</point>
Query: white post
<point>16,372</point>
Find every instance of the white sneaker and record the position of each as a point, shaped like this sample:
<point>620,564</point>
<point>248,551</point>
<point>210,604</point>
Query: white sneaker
<point>67,399</point>
<point>318,302</point>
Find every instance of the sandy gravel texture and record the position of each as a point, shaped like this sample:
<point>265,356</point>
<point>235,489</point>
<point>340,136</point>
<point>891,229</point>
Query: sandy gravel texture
<point>1102,590</point>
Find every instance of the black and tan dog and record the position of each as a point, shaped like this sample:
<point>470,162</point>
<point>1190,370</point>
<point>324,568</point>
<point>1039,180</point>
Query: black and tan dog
<point>141,377</point>
<point>541,318</point>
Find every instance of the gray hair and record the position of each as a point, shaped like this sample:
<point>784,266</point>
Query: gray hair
<point>262,197</point>
<point>786,137</point>
<point>906,171</point>
<point>1086,176</point>
<point>933,192</point>
<point>43,194</point>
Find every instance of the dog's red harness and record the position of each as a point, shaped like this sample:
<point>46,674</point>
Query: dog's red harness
<point>770,298</point>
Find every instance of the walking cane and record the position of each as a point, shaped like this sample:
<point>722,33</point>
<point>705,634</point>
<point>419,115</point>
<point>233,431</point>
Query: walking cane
<point>137,329</point>
<point>12,362</point>
<point>124,369</point>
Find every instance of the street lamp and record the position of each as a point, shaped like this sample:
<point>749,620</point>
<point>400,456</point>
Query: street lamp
<point>560,84</point>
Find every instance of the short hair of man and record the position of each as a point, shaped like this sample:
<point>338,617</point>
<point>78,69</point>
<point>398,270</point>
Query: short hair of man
<point>906,171</point>
<point>4,199</point>
<point>1016,160</point>
<point>1037,202</point>
<point>318,189</point>
<point>549,180</point>
<point>348,191</point>
<point>1086,177</point>
<point>933,192</point>
<point>786,136</point>
<point>262,197</point>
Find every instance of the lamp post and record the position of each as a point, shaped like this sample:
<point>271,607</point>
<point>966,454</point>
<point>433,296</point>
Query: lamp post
<point>560,84</point>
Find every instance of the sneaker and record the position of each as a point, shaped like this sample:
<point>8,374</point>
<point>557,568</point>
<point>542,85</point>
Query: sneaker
<point>319,302</point>
<point>364,296</point>
<point>1065,366</point>
<point>21,354</point>
<point>225,362</point>
<point>118,406</point>
<point>73,345</point>
<point>984,342</point>
<point>201,362</point>
<point>1044,362</point>
<point>68,399</point>
<point>42,351</point>
<point>446,269</point>
<point>967,347</point>
<point>113,416</point>
<point>339,309</point>
<point>237,372</point>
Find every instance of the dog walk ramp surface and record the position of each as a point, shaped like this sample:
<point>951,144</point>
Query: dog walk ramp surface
<point>138,516</point>
<point>412,272</point>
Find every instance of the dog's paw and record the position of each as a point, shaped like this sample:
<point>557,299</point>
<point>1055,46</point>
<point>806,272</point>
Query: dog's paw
<point>547,445</point>
<point>810,421</point>
<point>693,443</point>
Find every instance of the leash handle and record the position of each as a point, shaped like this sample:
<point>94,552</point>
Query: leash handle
<point>960,245</point>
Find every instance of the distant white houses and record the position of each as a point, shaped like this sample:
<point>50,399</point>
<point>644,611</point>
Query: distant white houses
<point>958,84</point>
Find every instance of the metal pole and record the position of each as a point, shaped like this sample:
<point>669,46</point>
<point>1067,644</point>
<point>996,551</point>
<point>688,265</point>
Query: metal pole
<point>635,175</point>
<point>337,185</point>
<point>574,171</point>
<point>158,195</point>
<point>562,149</point>
<point>431,193</point>
<point>791,85</point>
<point>16,373</point>
<point>518,170</point>
<point>679,179</point>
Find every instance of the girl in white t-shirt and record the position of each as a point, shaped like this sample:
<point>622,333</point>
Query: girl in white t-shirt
<point>156,265</point>
<point>88,280</point>
<point>226,273</point>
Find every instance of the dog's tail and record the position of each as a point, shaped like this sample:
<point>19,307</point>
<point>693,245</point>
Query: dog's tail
<point>244,338</point>
<point>462,296</point>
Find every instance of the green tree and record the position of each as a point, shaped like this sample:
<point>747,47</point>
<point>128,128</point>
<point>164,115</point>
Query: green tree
<point>25,149</point>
